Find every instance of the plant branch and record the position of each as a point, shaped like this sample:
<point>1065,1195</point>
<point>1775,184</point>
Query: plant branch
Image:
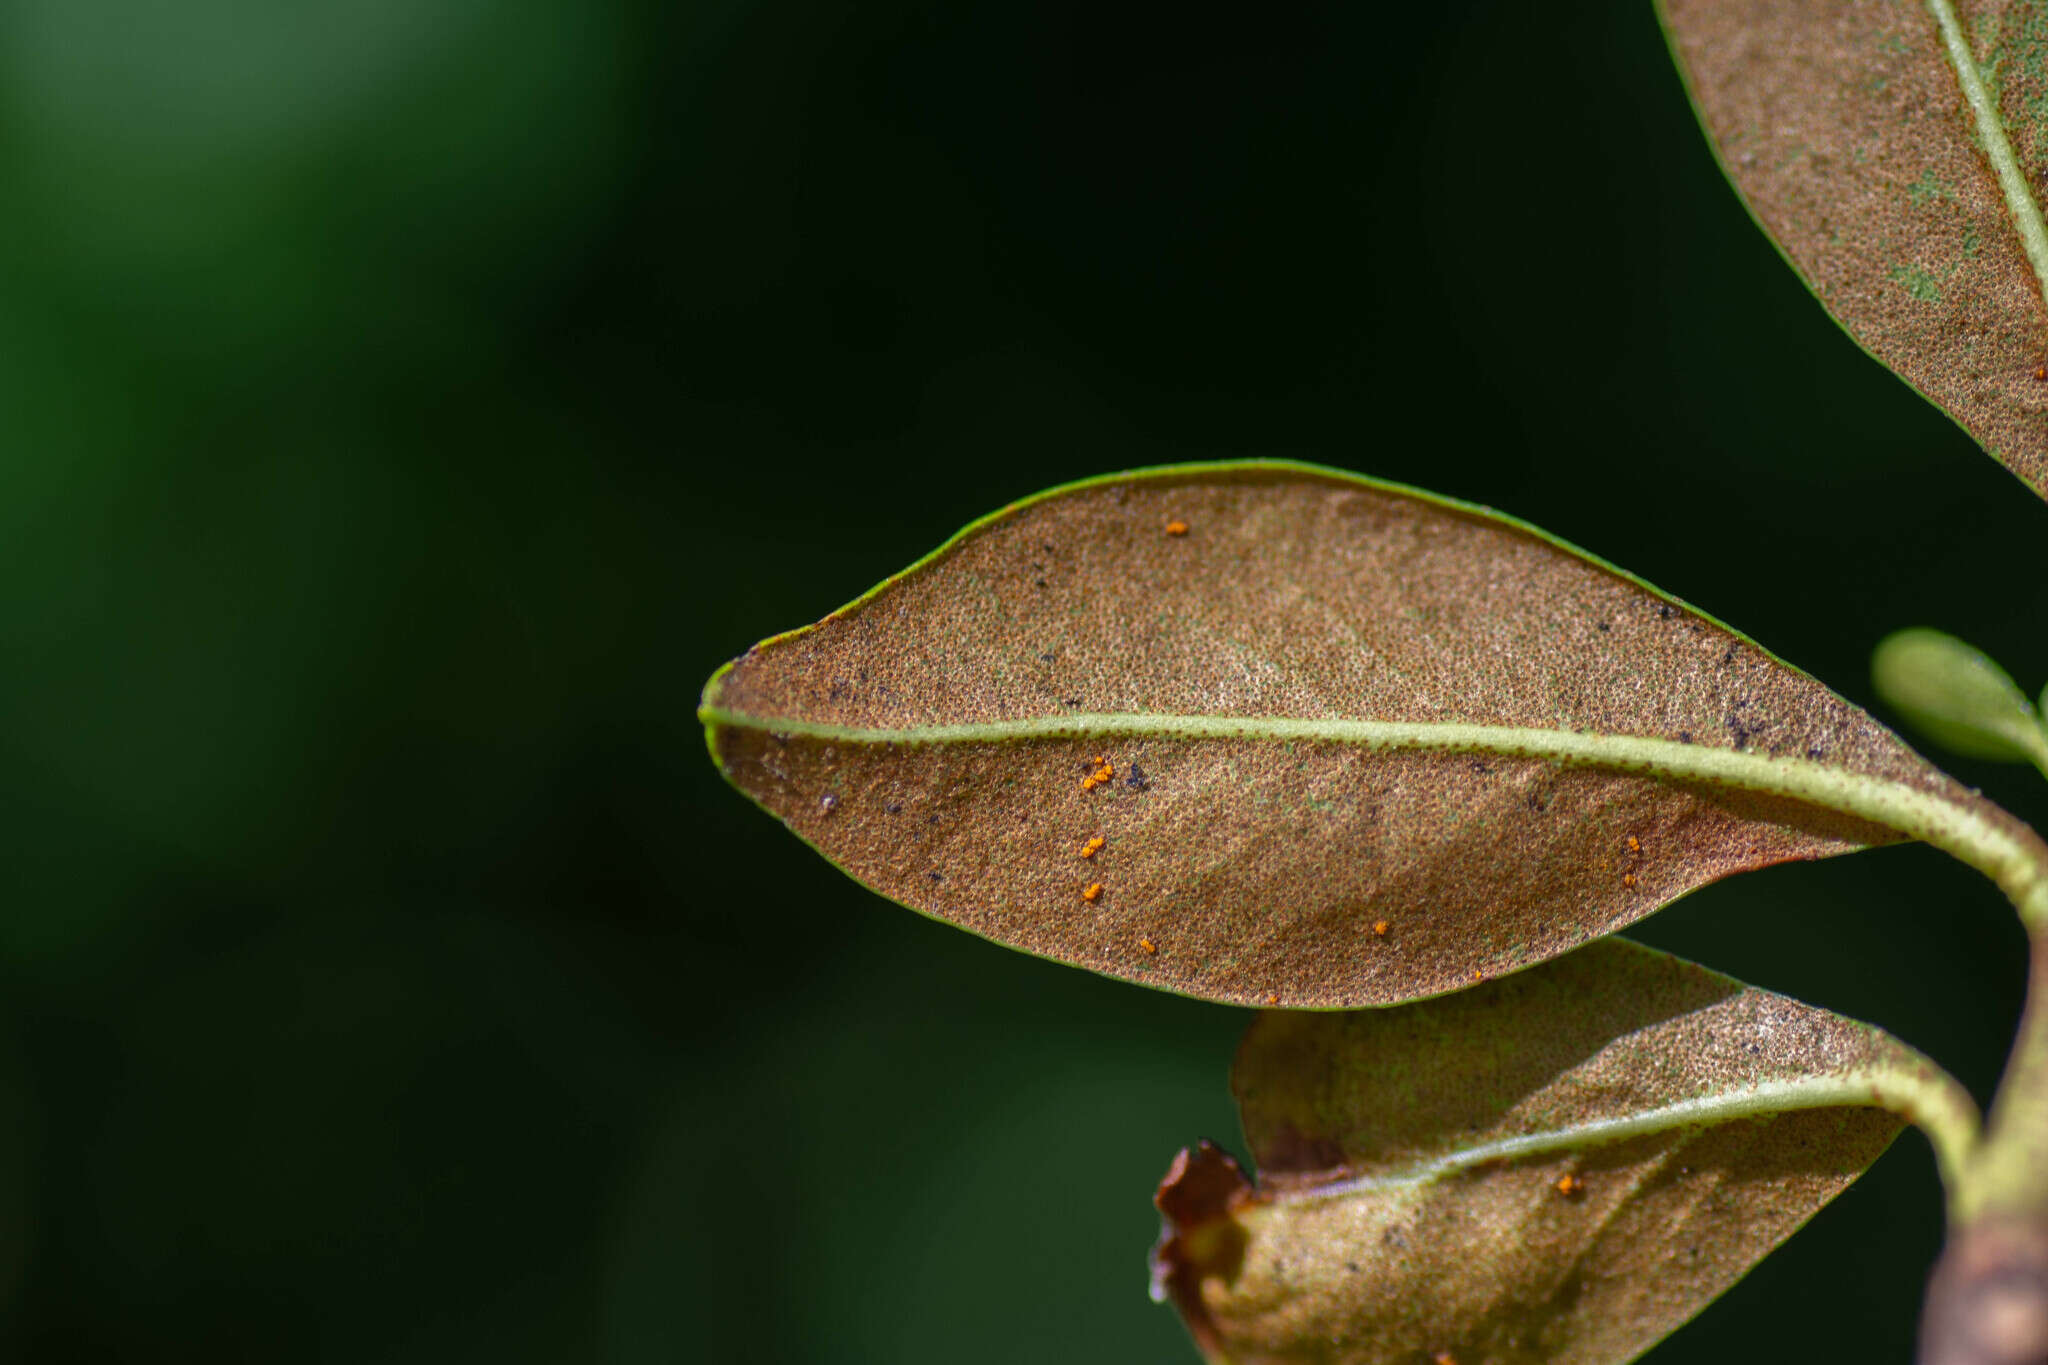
<point>1987,1301</point>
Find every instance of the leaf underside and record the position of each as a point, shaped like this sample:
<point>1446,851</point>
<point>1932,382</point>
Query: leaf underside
<point>1850,133</point>
<point>1563,1166</point>
<point>1341,741</point>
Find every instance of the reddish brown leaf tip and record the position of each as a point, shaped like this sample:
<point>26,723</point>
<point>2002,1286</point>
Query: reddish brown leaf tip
<point>1199,1237</point>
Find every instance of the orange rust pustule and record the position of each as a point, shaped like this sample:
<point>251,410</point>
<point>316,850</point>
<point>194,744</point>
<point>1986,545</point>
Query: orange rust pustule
<point>1199,1237</point>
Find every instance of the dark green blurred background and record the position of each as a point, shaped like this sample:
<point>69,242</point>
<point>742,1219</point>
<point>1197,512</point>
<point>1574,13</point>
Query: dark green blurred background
<point>406,404</point>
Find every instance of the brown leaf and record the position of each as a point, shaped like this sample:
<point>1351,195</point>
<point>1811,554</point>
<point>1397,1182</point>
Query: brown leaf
<point>1852,135</point>
<point>1344,743</point>
<point>1562,1166</point>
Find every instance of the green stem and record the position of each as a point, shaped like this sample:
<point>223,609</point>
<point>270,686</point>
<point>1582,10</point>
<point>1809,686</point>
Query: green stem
<point>2007,1175</point>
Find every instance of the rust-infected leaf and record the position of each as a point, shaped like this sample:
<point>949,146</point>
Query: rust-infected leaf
<point>1892,152</point>
<point>1562,1166</point>
<point>1334,703</point>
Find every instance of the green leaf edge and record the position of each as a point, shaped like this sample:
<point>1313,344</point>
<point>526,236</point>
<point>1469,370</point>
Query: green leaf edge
<point>1196,468</point>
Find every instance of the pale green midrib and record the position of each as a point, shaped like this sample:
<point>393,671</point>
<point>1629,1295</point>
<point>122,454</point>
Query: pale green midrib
<point>2012,181</point>
<point>2010,860</point>
<point>1936,1104</point>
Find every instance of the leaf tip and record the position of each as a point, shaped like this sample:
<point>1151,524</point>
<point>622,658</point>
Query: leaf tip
<point>1199,1236</point>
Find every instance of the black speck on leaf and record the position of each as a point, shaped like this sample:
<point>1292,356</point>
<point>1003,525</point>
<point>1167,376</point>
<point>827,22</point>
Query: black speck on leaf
<point>1816,753</point>
<point>1046,657</point>
<point>893,808</point>
<point>1665,611</point>
<point>935,876</point>
<point>1136,779</point>
<point>1039,582</point>
<point>1070,701</point>
<point>1685,736</point>
<point>1603,627</point>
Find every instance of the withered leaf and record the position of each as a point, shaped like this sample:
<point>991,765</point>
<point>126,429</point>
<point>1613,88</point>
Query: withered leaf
<point>1891,153</point>
<point>1562,1166</point>
<point>1342,742</point>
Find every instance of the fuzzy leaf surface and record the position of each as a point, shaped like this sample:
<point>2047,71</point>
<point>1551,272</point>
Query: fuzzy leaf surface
<point>1890,151</point>
<point>1562,1166</point>
<point>1342,742</point>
